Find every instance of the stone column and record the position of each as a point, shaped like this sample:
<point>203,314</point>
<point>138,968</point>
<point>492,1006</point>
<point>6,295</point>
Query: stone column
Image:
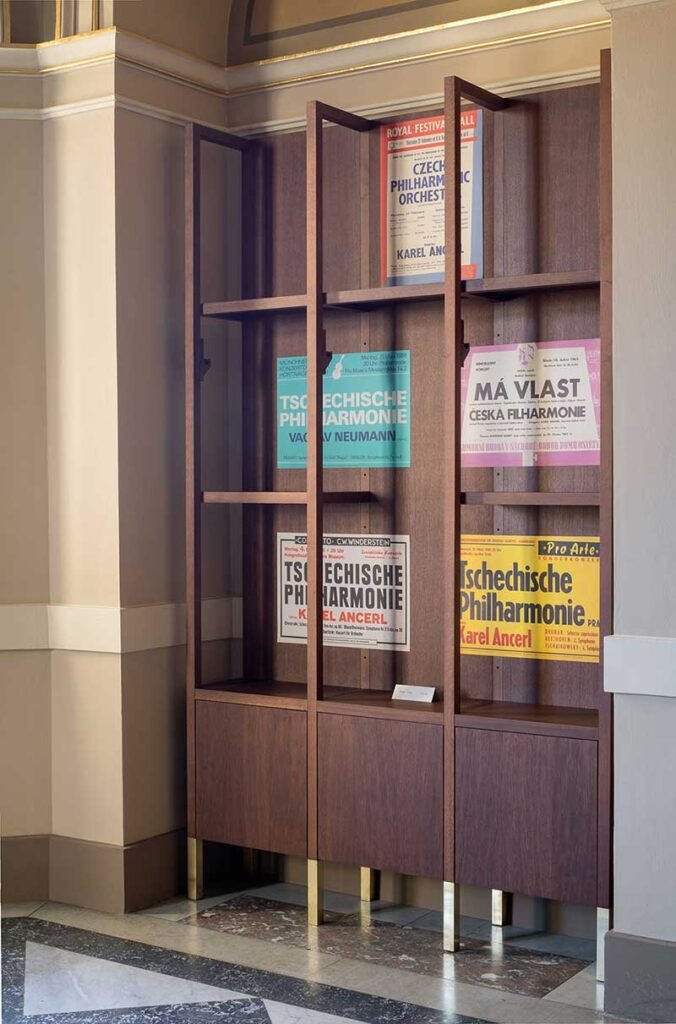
<point>640,657</point>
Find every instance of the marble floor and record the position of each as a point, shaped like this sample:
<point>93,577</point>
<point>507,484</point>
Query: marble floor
<point>250,957</point>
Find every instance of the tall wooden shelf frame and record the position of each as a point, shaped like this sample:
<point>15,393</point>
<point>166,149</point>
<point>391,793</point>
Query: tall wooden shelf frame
<point>327,747</point>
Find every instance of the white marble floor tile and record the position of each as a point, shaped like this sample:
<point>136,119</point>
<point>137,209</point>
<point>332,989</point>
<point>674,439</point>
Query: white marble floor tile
<point>186,938</point>
<point>433,992</point>
<point>60,981</point>
<point>21,909</point>
<point>581,990</point>
<point>280,1013</point>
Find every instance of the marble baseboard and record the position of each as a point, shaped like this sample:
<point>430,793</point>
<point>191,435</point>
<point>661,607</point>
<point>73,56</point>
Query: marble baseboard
<point>640,978</point>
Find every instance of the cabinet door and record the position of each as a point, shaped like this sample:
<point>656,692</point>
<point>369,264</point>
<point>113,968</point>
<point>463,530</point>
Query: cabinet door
<point>252,777</point>
<point>380,794</point>
<point>525,812</point>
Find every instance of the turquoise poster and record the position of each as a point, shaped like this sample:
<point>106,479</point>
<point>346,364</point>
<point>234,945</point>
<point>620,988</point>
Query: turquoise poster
<point>366,411</point>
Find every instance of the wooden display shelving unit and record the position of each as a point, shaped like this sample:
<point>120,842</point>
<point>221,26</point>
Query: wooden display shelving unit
<point>505,781</point>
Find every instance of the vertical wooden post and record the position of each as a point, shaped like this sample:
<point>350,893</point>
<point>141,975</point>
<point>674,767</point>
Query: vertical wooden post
<point>316,356</point>
<point>451,362</point>
<point>193,365</point>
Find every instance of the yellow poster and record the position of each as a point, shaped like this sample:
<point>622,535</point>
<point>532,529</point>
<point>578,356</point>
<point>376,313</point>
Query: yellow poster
<point>530,597</point>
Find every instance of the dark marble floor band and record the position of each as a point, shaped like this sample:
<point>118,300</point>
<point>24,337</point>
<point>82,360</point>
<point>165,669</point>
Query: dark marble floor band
<point>252,984</point>
<point>406,948</point>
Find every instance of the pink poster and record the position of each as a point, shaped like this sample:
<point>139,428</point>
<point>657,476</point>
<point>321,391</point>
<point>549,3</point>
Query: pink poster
<point>531,404</point>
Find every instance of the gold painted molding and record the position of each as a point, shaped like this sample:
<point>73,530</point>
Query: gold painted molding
<point>574,26</point>
<point>620,5</point>
<point>6,23</point>
<point>409,33</point>
<point>453,51</point>
<point>380,53</point>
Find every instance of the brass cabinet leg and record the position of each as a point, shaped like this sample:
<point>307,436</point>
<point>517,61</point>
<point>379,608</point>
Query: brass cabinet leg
<point>368,885</point>
<point>500,908</point>
<point>250,862</point>
<point>451,917</point>
<point>603,924</point>
<point>195,869</point>
<point>315,910</point>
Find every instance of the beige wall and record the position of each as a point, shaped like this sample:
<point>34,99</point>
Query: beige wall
<point>149,273</point>
<point>80,341</point>
<point>32,21</point>
<point>644,315</point>
<point>24,576</point>
<point>197,28</point>
<point>25,753</point>
<point>153,742</point>
<point>25,743</point>
<point>86,724</point>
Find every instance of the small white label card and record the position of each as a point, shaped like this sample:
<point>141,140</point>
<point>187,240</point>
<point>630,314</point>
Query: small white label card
<point>425,694</point>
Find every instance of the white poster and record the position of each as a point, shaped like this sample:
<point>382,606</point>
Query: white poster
<point>366,590</point>
<point>412,188</point>
<point>531,404</point>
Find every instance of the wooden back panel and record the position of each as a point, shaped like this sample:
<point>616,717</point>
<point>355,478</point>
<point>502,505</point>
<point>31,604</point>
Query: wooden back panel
<point>542,201</point>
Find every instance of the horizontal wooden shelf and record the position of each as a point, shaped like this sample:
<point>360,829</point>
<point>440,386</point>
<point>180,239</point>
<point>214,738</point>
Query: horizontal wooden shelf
<point>582,498</point>
<point>368,298</point>
<point>386,295</point>
<point>579,723</point>
<point>240,309</point>
<point>261,692</point>
<point>336,700</point>
<point>510,287</point>
<point>344,700</point>
<point>281,497</point>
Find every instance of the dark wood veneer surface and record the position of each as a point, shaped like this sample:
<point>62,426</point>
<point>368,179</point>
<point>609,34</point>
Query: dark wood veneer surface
<point>526,814</point>
<point>524,729</point>
<point>252,777</point>
<point>380,794</point>
<point>510,716</point>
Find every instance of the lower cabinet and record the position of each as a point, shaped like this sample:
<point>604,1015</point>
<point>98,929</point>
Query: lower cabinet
<point>381,794</point>
<point>252,777</point>
<point>525,814</point>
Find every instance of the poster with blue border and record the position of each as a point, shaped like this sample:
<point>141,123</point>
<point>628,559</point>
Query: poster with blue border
<point>366,411</point>
<point>412,190</point>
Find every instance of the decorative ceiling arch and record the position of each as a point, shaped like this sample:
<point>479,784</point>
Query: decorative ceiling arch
<point>277,28</point>
<point>266,20</point>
